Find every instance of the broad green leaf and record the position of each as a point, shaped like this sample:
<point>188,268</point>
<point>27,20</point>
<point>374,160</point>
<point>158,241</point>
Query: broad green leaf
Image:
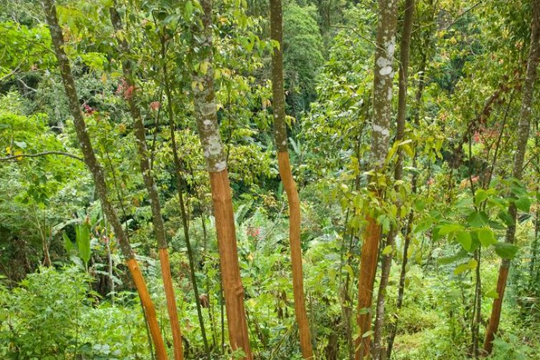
<point>486,237</point>
<point>68,245</point>
<point>449,228</point>
<point>506,250</point>
<point>523,203</point>
<point>477,219</point>
<point>480,196</point>
<point>464,238</point>
<point>83,242</point>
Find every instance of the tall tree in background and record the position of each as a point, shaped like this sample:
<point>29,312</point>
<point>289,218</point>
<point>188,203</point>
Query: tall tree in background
<point>405,46</point>
<point>280,128</point>
<point>149,182</point>
<point>216,161</point>
<point>380,136</point>
<point>99,179</point>
<point>523,136</point>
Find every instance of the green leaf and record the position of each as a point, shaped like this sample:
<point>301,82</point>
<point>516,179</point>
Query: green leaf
<point>471,265</point>
<point>506,218</point>
<point>506,250</point>
<point>523,203</point>
<point>387,250</point>
<point>20,144</point>
<point>423,226</point>
<point>486,237</point>
<point>68,245</point>
<point>450,259</point>
<point>188,10</point>
<point>449,228</point>
<point>465,202</point>
<point>492,294</point>
<point>480,196</point>
<point>464,238</point>
<point>83,242</point>
<point>477,219</point>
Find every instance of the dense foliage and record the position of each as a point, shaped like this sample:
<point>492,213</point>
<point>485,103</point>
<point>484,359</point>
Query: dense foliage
<point>65,288</point>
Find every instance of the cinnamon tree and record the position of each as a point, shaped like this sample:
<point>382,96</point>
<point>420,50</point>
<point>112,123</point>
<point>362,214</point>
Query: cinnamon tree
<point>216,162</point>
<point>95,168</point>
<point>380,137</point>
<point>149,181</point>
<point>280,136</point>
<point>517,173</point>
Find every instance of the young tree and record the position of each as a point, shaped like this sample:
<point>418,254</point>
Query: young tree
<point>149,182</point>
<point>405,46</point>
<point>523,136</point>
<point>216,161</point>
<point>382,113</point>
<point>280,126</point>
<point>99,179</point>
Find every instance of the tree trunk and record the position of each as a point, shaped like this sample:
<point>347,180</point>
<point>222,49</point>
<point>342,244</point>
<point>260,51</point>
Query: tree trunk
<point>206,114</point>
<point>523,136</point>
<point>278,105</point>
<point>382,113</point>
<point>98,176</point>
<point>149,182</point>
<point>405,46</point>
<point>180,181</point>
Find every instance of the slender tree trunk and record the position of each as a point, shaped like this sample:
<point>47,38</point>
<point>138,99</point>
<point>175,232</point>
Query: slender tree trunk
<point>382,113</point>
<point>98,176</point>
<point>181,187</point>
<point>206,114</point>
<point>523,136</point>
<point>410,219</point>
<point>405,46</point>
<point>532,265</point>
<point>153,195</point>
<point>278,95</point>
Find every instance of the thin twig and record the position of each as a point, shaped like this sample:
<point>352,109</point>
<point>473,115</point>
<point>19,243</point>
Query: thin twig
<point>17,157</point>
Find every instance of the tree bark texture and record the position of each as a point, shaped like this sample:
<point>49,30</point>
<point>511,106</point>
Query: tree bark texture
<point>206,114</point>
<point>149,182</point>
<point>405,46</point>
<point>97,173</point>
<point>523,136</point>
<point>380,137</point>
<point>280,128</point>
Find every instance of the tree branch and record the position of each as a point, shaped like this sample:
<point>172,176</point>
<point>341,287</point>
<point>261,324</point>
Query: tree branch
<point>17,157</point>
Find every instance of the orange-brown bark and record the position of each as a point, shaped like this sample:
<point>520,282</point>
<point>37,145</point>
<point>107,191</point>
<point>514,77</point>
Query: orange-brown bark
<point>368,269</point>
<point>519,157</point>
<point>171,305</point>
<point>148,308</point>
<point>230,268</point>
<point>496,310</point>
<point>296,254</point>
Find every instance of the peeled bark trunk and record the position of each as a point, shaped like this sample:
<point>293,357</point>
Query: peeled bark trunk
<point>368,269</point>
<point>378,352</point>
<point>523,136</point>
<point>278,105</point>
<point>206,114</point>
<point>180,181</point>
<point>382,113</point>
<point>98,176</point>
<point>149,182</point>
